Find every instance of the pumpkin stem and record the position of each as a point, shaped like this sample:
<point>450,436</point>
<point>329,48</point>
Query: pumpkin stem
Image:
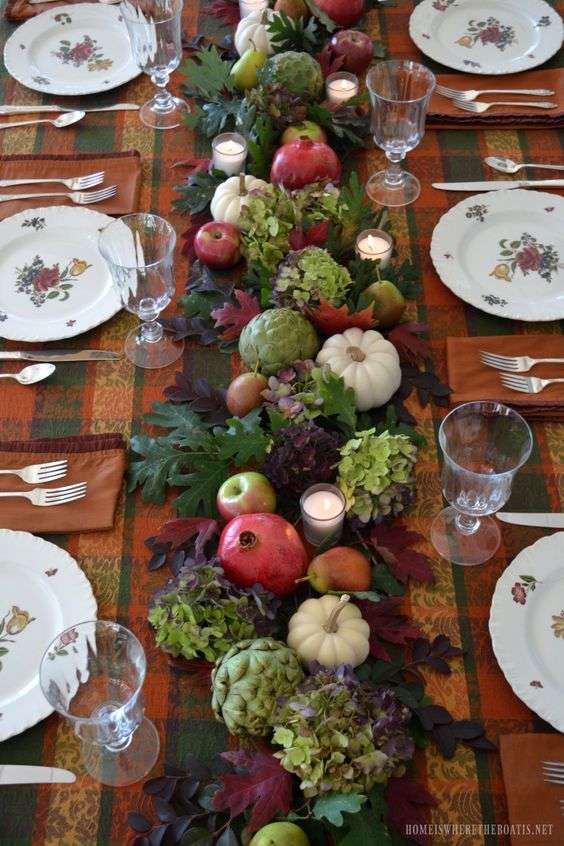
<point>242,187</point>
<point>331,624</point>
<point>356,353</point>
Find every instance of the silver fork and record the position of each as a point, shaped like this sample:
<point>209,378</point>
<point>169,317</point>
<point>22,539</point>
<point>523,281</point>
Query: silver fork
<point>527,384</point>
<point>75,183</point>
<point>515,363</point>
<point>79,198</point>
<point>40,473</point>
<point>51,496</point>
<point>472,94</point>
<point>478,108</point>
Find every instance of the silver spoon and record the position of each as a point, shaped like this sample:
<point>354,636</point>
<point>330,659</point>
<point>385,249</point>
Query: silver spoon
<point>60,122</point>
<point>505,165</point>
<point>31,374</point>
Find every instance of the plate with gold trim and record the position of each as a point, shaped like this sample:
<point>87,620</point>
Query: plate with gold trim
<point>43,591</point>
<point>527,627</point>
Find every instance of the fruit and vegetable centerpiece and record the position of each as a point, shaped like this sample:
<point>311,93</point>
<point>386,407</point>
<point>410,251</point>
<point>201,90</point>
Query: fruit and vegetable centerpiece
<point>311,664</point>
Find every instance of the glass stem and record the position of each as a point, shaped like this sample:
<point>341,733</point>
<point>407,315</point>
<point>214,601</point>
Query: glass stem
<point>394,173</point>
<point>466,524</point>
<point>151,331</point>
<point>163,98</point>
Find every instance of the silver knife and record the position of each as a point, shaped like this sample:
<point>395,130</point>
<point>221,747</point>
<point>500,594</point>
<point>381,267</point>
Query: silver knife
<point>24,110</point>
<point>61,355</point>
<point>499,185</point>
<point>24,774</point>
<point>547,521</point>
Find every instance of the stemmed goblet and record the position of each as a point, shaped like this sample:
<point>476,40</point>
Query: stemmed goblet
<point>92,675</point>
<point>399,91</point>
<point>483,444</point>
<point>154,28</point>
<point>139,250</point>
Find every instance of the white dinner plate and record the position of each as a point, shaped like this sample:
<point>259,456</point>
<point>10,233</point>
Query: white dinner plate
<point>503,252</point>
<point>55,282</point>
<point>73,50</point>
<point>43,591</point>
<point>487,36</point>
<point>527,627</point>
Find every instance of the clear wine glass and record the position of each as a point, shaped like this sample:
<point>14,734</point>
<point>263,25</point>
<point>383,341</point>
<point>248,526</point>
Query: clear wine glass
<point>139,250</point>
<point>483,444</point>
<point>400,91</point>
<point>154,28</point>
<point>92,675</point>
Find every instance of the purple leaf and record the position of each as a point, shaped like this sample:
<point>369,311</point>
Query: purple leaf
<point>138,822</point>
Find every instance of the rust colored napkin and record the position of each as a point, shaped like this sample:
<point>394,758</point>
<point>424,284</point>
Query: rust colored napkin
<point>442,112</point>
<point>472,380</point>
<point>122,169</point>
<point>20,10</point>
<point>96,459</point>
<point>531,802</point>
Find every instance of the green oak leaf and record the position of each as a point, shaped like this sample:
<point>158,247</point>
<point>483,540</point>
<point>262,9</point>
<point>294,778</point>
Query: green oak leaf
<point>153,471</point>
<point>332,806</point>
<point>338,400</point>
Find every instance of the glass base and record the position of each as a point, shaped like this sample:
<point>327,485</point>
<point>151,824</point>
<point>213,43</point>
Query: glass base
<point>387,194</point>
<point>127,766</point>
<point>159,119</point>
<point>460,548</point>
<point>151,355</point>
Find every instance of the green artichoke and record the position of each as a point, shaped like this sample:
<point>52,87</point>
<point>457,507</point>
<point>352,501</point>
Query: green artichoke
<point>298,73</point>
<point>305,276</point>
<point>248,680</point>
<point>276,338</point>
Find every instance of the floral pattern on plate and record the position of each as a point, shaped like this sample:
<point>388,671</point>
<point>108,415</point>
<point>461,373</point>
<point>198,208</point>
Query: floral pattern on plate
<point>41,283</point>
<point>477,212</point>
<point>67,639</point>
<point>558,624</point>
<point>520,589</point>
<point>36,223</point>
<point>490,31</point>
<point>13,624</point>
<point>83,52</point>
<point>528,255</point>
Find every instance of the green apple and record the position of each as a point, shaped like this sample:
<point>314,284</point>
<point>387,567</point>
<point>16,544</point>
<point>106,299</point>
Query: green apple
<point>280,834</point>
<point>304,131</point>
<point>390,303</point>
<point>245,70</point>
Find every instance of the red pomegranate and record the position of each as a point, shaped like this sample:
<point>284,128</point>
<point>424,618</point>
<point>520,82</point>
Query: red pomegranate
<point>262,548</point>
<point>300,163</point>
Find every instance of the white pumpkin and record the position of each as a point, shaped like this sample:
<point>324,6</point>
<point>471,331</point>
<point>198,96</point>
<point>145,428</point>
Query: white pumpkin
<point>232,195</point>
<point>367,363</point>
<point>329,630</point>
<point>252,32</point>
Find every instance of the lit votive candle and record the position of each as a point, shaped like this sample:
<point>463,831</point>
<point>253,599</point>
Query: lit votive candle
<point>229,153</point>
<point>375,245</point>
<point>248,6</point>
<point>341,86</point>
<point>323,513</point>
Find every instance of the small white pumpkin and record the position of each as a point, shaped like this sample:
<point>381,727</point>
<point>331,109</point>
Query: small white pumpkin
<point>329,630</point>
<point>252,32</point>
<point>367,363</point>
<point>232,195</point>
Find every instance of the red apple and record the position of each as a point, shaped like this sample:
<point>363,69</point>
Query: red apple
<point>245,393</point>
<point>245,493</point>
<point>218,244</point>
<point>343,12</point>
<point>300,163</point>
<point>303,131</point>
<point>265,549</point>
<point>315,236</point>
<point>355,47</point>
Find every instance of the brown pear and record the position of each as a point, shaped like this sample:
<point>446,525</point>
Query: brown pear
<point>293,8</point>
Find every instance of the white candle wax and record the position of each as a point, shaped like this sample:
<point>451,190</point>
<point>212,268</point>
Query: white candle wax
<point>341,90</point>
<point>375,248</point>
<point>323,514</point>
<point>248,6</point>
<point>229,156</point>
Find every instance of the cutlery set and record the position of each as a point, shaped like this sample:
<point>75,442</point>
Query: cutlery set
<point>466,99</point>
<point>77,184</point>
<point>37,372</point>
<point>40,474</point>
<point>511,366</point>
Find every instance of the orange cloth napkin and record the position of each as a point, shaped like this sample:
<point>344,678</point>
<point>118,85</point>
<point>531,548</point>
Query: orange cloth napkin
<point>20,10</point>
<point>531,802</point>
<point>472,380</point>
<point>122,169</point>
<point>442,112</point>
<point>98,460</point>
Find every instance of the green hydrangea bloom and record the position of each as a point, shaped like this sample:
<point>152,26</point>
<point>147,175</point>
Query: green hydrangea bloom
<point>308,275</point>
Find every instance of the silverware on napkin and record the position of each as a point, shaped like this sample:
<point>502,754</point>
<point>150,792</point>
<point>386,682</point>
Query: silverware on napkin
<point>60,355</point>
<point>499,185</point>
<point>24,774</point>
<point>24,110</point>
<point>547,521</point>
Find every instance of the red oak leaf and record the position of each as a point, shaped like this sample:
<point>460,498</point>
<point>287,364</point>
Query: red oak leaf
<point>233,318</point>
<point>405,802</point>
<point>265,787</point>
<point>178,532</point>
<point>331,320</point>
<point>411,348</point>
<point>394,545</point>
<point>193,165</point>
<point>225,10</point>
<point>386,623</point>
<point>329,61</point>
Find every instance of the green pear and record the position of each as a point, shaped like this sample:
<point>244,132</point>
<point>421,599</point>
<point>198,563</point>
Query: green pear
<point>280,834</point>
<point>244,71</point>
<point>390,303</point>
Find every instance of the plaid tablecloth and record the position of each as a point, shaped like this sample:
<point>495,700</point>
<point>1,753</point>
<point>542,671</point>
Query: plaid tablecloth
<point>101,398</point>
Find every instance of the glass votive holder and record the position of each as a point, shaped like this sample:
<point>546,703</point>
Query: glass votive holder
<point>229,153</point>
<point>248,6</point>
<point>375,245</point>
<point>323,513</point>
<point>341,86</point>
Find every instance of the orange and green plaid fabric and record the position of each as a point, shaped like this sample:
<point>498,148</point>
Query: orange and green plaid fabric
<point>89,398</point>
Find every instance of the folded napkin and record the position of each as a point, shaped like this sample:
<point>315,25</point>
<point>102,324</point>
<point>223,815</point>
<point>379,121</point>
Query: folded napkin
<point>122,169</point>
<point>20,10</point>
<point>533,805</point>
<point>442,112</point>
<point>96,459</point>
<point>472,380</point>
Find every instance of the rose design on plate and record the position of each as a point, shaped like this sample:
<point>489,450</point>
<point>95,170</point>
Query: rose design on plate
<point>13,624</point>
<point>41,283</point>
<point>83,52</point>
<point>529,256</point>
<point>490,31</point>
